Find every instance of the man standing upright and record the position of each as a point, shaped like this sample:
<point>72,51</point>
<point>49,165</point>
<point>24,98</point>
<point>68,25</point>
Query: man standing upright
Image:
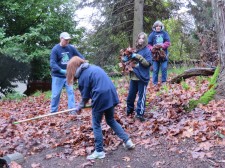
<point>61,53</point>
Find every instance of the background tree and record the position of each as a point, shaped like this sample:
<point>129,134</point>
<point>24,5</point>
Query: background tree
<point>219,15</point>
<point>204,22</point>
<point>138,18</point>
<point>30,29</point>
<point>116,28</point>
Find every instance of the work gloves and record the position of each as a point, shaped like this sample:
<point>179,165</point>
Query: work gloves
<point>126,58</point>
<point>63,71</point>
<point>83,103</point>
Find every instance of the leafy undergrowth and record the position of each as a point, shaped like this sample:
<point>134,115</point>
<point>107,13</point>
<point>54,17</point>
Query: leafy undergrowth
<point>165,116</point>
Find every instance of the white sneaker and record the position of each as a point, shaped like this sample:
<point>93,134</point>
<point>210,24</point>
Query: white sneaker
<point>129,144</point>
<point>96,155</point>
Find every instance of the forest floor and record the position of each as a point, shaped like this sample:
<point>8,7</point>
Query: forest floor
<point>171,136</point>
<point>160,155</point>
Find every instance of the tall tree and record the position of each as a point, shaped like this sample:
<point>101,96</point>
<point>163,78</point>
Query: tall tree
<point>138,18</point>
<point>202,12</point>
<point>219,16</point>
<point>120,23</point>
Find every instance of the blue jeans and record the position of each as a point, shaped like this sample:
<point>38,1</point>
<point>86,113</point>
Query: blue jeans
<point>140,88</point>
<point>156,66</point>
<point>96,124</point>
<point>57,86</point>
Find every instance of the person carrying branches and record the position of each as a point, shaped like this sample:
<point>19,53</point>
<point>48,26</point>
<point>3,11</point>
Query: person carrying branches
<point>158,43</point>
<point>139,71</point>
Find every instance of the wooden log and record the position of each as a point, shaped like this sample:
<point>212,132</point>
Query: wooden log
<point>193,72</point>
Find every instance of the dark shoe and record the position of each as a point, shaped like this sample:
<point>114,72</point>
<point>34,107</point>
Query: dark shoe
<point>140,117</point>
<point>130,112</point>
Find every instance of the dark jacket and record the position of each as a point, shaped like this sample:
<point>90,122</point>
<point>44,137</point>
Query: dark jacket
<point>59,58</point>
<point>161,38</point>
<point>95,84</point>
<point>141,71</point>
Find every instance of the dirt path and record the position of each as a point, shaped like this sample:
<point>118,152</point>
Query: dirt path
<point>161,155</point>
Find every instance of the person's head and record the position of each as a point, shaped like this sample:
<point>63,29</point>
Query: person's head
<point>158,26</point>
<point>64,39</point>
<point>71,69</point>
<point>142,40</point>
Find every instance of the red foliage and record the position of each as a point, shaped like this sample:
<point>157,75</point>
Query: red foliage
<point>165,116</point>
<point>127,67</point>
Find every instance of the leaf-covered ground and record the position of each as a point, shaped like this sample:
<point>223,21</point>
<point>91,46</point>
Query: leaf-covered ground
<point>165,115</point>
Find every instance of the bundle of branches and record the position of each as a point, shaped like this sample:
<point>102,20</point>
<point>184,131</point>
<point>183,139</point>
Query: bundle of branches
<point>126,62</point>
<point>158,53</point>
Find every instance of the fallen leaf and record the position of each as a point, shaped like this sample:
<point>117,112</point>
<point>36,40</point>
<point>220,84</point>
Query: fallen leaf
<point>87,164</point>
<point>35,165</point>
<point>13,164</point>
<point>49,156</point>
<point>126,158</point>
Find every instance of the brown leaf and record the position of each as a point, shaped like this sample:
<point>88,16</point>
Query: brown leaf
<point>35,165</point>
<point>196,155</point>
<point>126,158</point>
<point>90,163</point>
<point>49,156</point>
<point>13,164</point>
<point>205,145</point>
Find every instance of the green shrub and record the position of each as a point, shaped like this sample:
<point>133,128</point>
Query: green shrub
<point>207,96</point>
<point>14,96</point>
<point>185,85</point>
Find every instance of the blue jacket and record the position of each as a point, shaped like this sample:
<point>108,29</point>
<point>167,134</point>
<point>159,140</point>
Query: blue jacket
<point>59,58</point>
<point>142,72</point>
<point>95,84</point>
<point>161,37</point>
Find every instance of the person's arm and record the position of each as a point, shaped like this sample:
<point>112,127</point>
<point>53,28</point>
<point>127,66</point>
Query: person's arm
<point>85,91</point>
<point>141,59</point>
<point>166,40</point>
<point>76,52</point>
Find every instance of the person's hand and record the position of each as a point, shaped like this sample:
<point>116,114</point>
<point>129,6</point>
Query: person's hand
<point>133,55</point>
<point>63,71</point>
<point>83,103</point>
<point>125,58</point>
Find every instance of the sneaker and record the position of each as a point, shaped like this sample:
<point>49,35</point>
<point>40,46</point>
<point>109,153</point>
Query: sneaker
<point>96,155</point>
<point>140,117</point>
<point>129,144</point>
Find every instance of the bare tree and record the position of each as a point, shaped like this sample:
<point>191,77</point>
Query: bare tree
<point>138,18</point>
<point>219,15</point>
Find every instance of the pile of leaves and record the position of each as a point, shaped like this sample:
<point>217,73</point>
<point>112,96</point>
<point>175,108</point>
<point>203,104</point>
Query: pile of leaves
<point>165,116</point>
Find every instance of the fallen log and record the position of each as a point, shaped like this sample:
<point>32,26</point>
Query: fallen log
<point>193,72</point>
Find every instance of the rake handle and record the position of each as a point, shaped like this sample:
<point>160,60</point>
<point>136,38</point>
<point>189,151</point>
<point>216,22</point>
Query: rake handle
<point>47,115</point>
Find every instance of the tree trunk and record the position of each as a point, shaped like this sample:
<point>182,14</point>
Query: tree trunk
<point>138,19</point>
<point>219,15</point>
